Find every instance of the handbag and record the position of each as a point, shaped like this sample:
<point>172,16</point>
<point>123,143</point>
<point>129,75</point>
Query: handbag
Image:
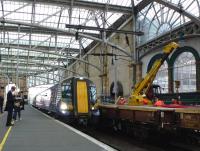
<point>17,104</point>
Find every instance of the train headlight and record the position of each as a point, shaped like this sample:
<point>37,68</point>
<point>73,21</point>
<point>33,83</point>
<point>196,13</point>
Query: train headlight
<point>81,78</point>
<point>63,106</point>
<point>63,112</point>
<point>94,106</point>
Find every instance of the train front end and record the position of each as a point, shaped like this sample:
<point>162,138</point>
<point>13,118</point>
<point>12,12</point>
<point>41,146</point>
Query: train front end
<point>78,100</point>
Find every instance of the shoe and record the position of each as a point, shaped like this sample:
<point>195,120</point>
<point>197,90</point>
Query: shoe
<point>20,119</point>
<point>16,120</point>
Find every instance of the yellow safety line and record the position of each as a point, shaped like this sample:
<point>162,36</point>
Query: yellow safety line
<point>5,138</point>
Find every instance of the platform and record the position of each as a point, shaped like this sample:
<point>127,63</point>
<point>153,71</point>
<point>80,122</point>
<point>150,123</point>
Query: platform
<point>37,132</point>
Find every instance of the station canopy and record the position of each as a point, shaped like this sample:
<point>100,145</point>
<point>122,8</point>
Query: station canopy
<point>39,36</point>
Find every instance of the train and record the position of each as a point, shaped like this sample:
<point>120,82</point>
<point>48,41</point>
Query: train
<point>73,98</point>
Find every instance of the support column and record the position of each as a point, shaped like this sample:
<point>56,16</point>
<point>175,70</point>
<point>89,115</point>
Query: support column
<point>138,72</point>
<point>53,76</point>
<point>171,79</point>
<point>34,80</point>
<point>134,51</point>
<point>198,76</point>
<point>104,59</point>
<point>47,77</point>
<point>87,68</point>
<point>17,68</point>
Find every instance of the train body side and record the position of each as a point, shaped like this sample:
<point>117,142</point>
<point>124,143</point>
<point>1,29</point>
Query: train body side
<point>46,99</point>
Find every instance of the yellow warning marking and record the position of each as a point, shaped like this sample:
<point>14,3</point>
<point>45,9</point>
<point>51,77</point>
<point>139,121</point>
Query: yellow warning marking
<point>5,138</point>
<point>82,97</point>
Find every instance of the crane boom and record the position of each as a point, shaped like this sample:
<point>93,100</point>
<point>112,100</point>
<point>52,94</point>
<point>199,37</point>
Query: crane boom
<point>142,87</point>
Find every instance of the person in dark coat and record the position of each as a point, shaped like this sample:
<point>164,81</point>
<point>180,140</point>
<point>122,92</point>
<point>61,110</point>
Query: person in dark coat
<point>10,106</point>
<point>1,104</point>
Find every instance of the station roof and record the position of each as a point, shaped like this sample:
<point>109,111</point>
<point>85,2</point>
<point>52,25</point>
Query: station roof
<point>35,39</point>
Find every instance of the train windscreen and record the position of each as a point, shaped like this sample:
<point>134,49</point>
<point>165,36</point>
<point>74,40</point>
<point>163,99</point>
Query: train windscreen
<point>67,92</point>
<point>92,93</point>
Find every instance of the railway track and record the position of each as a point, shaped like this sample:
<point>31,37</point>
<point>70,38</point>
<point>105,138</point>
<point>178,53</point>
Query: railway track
<point>123,142</point>
<point>183,147</point>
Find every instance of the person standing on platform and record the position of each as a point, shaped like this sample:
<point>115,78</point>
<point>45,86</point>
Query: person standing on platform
<point>18,105</point>
<point>22,100</point>
<point>10,105</point>
<point>1,104</point>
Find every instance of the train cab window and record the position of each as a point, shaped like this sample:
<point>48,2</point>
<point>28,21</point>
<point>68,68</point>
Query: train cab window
<point>67,92</point>
<point>92,93</point>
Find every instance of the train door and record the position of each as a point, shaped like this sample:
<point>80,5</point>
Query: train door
<point>82,97</point>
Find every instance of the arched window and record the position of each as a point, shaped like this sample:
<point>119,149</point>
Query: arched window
<point>161,78</point>
<point>157,19</point>
<point>119,89</point>
<point>185,72</point>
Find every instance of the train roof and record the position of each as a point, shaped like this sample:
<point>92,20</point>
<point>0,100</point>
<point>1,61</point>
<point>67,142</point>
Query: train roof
<point>75,77</point>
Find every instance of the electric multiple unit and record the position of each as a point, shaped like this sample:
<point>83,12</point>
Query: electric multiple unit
<point>74,97</point>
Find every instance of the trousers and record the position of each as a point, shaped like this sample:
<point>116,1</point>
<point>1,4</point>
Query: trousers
<point>9,116</point>
<point>17,111</point>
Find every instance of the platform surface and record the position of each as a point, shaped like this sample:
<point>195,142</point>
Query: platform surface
<point>36,132</point>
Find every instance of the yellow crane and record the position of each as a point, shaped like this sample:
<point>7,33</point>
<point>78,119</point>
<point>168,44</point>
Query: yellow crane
<point>141,88</point>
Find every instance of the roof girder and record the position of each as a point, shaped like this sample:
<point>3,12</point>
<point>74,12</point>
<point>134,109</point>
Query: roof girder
<point>70,32</point>
<point>87,5</point>
<point>38,30</point>
<point>142,5</point>
<point>25,57</point>
<point>45,49</point>
<point>19,69</point>
<point>53,67</point>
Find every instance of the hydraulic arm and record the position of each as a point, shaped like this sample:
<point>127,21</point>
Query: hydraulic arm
<point>141,88</point>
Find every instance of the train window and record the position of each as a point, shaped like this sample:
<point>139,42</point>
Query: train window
<point>66,92</point>
<point>93,93</point>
